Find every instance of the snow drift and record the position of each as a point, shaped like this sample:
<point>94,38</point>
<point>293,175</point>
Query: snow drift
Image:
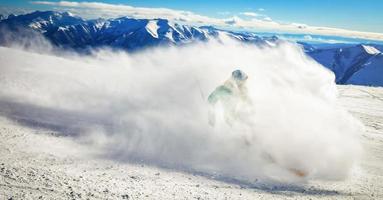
<point>151,107</point>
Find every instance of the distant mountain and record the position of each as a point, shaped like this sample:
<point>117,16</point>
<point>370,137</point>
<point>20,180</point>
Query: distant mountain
<point>67,30</point>
<point>358,64</point>
<point>41,21</point>
<point>352,64</point>
<point>371,73</point>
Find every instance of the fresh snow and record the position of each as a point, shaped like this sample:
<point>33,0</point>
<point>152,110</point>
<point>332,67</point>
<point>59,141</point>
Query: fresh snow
<point>169,35</point>
<point>152,28</point>
<point>70,14</point>
<point>35,163</point>
<point>35,25</point>
<point>272,44</point>
<point>370,49</point>
<point>173,27</point>
<point>62,28</point>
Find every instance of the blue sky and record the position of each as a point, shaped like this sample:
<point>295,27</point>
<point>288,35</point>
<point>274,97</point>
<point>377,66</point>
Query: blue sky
<point>355,15</point>
<point>362,15</point>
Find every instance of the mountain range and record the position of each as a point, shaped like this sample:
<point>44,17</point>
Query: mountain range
<point>360,64</point>
<point>66,30</point>
<point>357,64</point>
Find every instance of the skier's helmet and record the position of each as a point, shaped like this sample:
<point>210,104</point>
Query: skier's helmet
<point>239,75</point>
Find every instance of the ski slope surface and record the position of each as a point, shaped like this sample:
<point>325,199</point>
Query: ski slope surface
<point>37,163</point>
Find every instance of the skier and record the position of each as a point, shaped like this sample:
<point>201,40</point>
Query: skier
<point>232,95</point>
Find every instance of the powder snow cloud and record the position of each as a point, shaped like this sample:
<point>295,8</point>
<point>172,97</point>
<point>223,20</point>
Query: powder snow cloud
<point>151,107</point>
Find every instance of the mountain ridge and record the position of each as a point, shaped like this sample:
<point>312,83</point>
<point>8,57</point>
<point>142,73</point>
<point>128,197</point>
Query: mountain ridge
<point>347,61</point>
<point>66,30</point>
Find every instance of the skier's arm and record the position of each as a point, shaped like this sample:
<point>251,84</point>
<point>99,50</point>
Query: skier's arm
<point>217,94</point>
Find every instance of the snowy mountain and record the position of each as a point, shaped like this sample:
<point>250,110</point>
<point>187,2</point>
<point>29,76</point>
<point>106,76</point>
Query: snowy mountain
<point>41,21</point>
<point>67,30</point>
<point>358,64</point>
<point>352,64</point>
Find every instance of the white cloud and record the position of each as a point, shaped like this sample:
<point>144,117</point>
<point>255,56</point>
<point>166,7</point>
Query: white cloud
<point>261,9</point>
<point>251,14</point>
<point>267,19</point>
<point>97,9</point>
<point>5,11</point>
<point>87,9</point>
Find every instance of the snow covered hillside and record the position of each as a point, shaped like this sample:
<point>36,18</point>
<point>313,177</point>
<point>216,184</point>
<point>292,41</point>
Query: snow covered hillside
<point>37,163</point>
<point>359,64</point>
<point>112,124</point>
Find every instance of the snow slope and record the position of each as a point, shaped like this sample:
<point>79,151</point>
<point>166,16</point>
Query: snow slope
<point>370,74</point>
<point>357,64</point>
<point>371,50</point>
<point>59,168</point>
<point>152,28</point>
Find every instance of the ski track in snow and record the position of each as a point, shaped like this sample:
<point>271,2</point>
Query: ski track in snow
<point>40,164</point>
